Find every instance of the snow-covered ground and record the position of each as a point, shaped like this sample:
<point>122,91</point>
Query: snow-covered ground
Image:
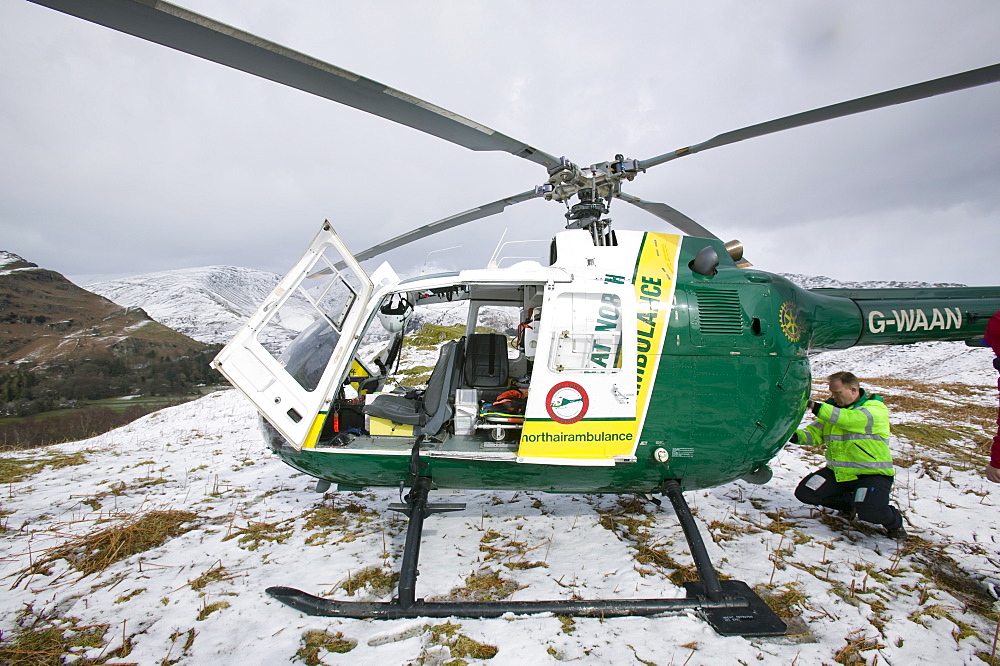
<point>199,597</point>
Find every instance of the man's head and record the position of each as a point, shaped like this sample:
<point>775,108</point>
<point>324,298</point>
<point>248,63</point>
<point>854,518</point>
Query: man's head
<point>845,388</point>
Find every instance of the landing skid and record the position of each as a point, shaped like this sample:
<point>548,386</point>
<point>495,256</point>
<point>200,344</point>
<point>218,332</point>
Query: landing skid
<point>730,607</point>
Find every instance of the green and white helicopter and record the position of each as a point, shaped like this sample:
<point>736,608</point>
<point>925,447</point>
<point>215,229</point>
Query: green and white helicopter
<point>639,362</point>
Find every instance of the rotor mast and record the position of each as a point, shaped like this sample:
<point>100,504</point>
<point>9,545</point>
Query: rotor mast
<point>594,186</point>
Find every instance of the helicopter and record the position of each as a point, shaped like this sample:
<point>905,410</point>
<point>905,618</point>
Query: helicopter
<point>639,362</point>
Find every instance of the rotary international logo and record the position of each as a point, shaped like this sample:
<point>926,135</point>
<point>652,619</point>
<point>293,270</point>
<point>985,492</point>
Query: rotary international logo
<point>788,318</point>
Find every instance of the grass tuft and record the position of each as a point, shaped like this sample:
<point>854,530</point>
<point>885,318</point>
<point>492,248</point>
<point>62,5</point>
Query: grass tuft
<point>97,550</point>
<point>380,581</point>
<point>461,646</point>
<point>326,519</point>
<point>185,648</point>
<point>786,604</point>
<point>255,534</point>
<point>14,469</point>
<point>485,585</point>
<point>857,643</point>
<point>207,609</point>
<point>315,640</point>
<point>43,638</point>
<point>125,597</point>
<point>215,574</point>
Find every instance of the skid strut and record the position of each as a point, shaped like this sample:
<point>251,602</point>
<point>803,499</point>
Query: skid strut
<point>729,606</point>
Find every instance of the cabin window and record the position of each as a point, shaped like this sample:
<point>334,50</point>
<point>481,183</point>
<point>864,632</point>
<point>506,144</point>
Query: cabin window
<point>587,336</point>
<point>312,318</point>
<point>499,319</point>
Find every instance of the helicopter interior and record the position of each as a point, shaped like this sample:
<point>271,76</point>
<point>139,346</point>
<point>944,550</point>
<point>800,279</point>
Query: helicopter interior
<point>463,387</point>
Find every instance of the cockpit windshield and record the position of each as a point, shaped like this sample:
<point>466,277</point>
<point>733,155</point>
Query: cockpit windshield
<point>305,330</point>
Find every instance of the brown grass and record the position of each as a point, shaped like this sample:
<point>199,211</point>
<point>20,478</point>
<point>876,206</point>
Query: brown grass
<point>315,640</point>
<point>786,604</point>
<point>630,522</point>
<point>255,534</point>
<point>14,469</point>
<point>44,638</point>
<point>857,643</point>
<point>207,609</point>
<point>380,581</point>
<point>97,550</point>
<point>485,585</point>
<point>460,645</point>
<point>330,518</point>
<point>216,574</point>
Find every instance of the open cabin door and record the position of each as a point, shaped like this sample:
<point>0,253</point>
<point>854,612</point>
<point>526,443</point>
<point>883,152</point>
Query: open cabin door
<point>582,406</point>
<point>322,303</point>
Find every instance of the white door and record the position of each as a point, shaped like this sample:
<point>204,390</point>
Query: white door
<point>582,407</point>
<point>322,302</point>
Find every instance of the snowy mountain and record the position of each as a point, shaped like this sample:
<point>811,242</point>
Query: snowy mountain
<point>10,262</point>
<point>207,304</point>
<point>210,304</point>
<point>49,322</point>
<point>823,282</point>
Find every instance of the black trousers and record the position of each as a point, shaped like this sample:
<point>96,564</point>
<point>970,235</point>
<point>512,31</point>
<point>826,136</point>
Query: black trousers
<point>868,495</point>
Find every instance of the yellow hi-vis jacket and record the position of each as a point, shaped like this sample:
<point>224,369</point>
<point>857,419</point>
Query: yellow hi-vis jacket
<point>856,437</point>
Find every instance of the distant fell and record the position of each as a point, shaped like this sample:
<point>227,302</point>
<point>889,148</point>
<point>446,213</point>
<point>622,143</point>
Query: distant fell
<point>45,319</point>
<point>60,344</point>
<point>208,304</point>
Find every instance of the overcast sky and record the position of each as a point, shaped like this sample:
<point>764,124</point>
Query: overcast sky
<point>120,156</point>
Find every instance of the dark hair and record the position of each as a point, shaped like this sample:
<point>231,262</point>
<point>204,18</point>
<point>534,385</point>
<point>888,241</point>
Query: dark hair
<point>845,378</point>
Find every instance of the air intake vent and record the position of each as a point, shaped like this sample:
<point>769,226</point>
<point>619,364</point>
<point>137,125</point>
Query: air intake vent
<point>719,312</point>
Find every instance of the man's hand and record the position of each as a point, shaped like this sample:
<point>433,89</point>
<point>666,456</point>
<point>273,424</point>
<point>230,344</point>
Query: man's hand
<point>996,363</point>
<point>992,473</point>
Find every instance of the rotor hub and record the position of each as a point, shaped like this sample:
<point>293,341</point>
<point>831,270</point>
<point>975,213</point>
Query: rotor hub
<point>588,209</point>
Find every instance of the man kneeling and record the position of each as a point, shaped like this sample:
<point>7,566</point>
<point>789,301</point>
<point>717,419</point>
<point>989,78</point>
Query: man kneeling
<point>854,427</point>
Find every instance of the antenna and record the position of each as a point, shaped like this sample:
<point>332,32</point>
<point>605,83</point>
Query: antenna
<point>495,263</point>
<point>443,249</point>
<point>492,263</point>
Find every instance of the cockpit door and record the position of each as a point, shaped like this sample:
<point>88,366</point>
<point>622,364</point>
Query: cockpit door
<point>296,346</point>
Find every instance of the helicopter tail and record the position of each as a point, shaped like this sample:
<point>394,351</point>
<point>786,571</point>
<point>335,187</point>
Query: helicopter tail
<point>899,316</point>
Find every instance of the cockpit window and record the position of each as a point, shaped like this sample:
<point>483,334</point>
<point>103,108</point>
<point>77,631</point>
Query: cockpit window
<point>306,357</point>
<point>331,294</point>
<point>304,332</point>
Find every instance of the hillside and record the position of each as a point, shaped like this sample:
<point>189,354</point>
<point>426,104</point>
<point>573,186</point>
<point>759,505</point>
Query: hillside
<point>59,341</point>
<point>47,320</point>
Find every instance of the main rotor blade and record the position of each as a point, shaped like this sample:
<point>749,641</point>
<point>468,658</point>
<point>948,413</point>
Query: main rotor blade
<point>183,30</point>
<point>947,84</point>
<point>671,215</point>
<point>446,223</point>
